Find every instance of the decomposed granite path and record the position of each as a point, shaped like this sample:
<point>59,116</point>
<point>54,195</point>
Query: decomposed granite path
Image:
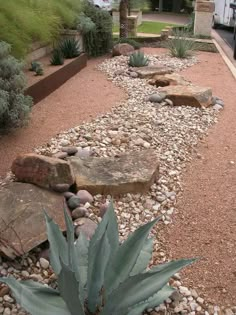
<point>205,225</point>
<point>85,96</point>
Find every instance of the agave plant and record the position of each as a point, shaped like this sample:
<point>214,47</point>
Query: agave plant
<point>70,48</point>
<point>57,57</point>
<point>138,59</point>
<point>100,276</point>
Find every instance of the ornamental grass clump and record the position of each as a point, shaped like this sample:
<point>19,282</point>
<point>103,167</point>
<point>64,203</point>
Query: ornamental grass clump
<point>14,105</point>
<point>98,277</point>
<point>181,45</point>
<point>23,22</point>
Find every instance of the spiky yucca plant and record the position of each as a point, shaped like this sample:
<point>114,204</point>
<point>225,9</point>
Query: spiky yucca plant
<point>181,45</point>
<point>100,276</point>
<point>70,48</point>
<point>138,59</point>
<point>57,57</point>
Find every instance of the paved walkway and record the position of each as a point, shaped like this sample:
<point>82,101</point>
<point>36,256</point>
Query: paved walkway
<point>166,18</point>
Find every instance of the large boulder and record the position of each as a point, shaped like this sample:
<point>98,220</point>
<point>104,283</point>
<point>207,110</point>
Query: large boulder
<point>47,172</point>
<point>122,50</point>
<point>168,79</point>
<point>149,72</point>
<point>190,95</point>
<point>132,172</point>
<point>22,222</point>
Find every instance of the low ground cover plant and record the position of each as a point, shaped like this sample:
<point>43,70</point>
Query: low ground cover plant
<point>98,277</point>
<point>14,105</point>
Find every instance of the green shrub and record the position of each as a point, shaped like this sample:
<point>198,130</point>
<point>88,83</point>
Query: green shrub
<point>181,46</point>
<point>24,21</point>
<point>97,40</point>
<point>14,105</point>
<point>138,59</point>
<point>129,41</point>
<point>100,276</point>
<point>70,48</point>
<point>57,57</point>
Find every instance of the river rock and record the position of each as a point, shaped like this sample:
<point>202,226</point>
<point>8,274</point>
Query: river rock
<point>132,172</point>
<point>42,170</point>
<point>84,196</point>
<point>190,95</point>
<point>22,221</point>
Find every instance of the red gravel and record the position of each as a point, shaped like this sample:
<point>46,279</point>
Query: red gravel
<point>85,96</point>
<point>205,225</point>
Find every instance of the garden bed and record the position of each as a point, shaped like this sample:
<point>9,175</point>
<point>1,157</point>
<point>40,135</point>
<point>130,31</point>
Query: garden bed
<point>41,86</point>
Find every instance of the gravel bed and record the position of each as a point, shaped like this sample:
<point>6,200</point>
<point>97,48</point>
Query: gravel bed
<point>173,132</point>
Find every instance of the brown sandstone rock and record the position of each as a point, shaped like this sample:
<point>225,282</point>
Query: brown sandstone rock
<point>122,50</point>
<point>22,222</point>
<point>149,72</point>
<point>133,172</point>
<point>41,170</point>
<point>189,95</point>
<point>168,79</point>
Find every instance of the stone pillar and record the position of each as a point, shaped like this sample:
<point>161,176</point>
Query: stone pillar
<point>203,17</point>
<point>132,26</point>
<point>160,5</point>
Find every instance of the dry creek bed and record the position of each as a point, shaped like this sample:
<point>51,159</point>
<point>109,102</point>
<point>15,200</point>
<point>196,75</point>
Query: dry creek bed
<point>173,132</point>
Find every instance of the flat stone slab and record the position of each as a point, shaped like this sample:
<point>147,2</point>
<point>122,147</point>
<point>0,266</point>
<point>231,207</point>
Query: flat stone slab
<point>190,95</point>
<point>149,72</point>
<point>22,223</point>
<point>168,79</point>
<point>132,172</point>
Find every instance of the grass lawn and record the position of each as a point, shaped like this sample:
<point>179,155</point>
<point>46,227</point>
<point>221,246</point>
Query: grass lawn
<point>148,27</point>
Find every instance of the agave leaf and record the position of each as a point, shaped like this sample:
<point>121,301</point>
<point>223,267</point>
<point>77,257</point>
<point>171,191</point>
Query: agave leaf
<point>143,258</point>
<point>140,287</point>
<point>36,298</point>
<point>58,245</point>
<point>124,259</point>
<point>81,248</point>
<point>69,290</point>
<point>160,296</point>
<point>138,309</point>
<point>99,253</point>
<point>72,254</point>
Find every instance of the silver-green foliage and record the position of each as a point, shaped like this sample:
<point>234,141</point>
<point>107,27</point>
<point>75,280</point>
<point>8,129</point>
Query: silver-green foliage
<point>14,105</point>
<point>138,59</point>
<point>181,45</point>
<point>100,276</point>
